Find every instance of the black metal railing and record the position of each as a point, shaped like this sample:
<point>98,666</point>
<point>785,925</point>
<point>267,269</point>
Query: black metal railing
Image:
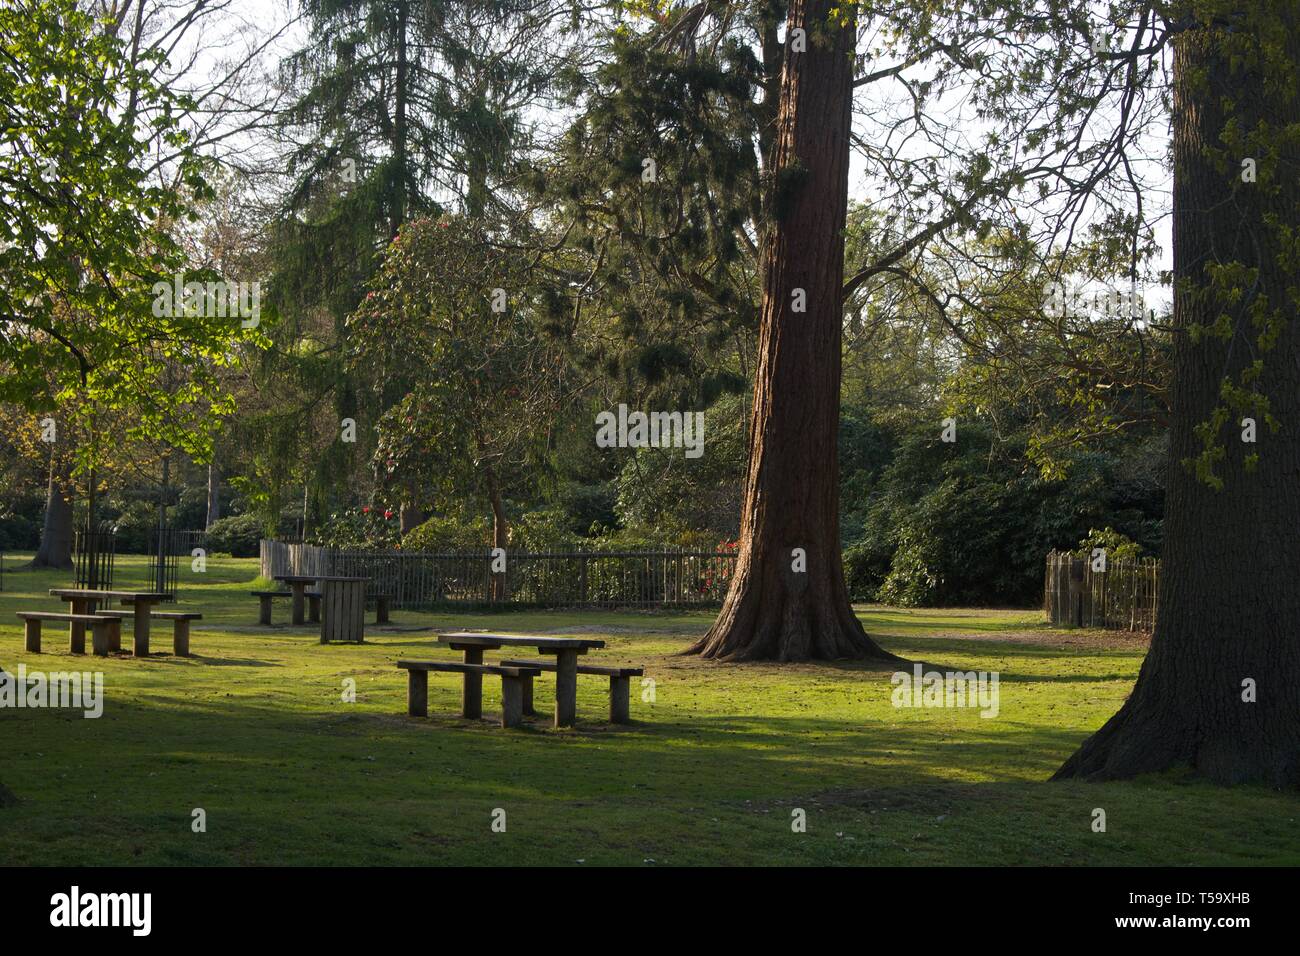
<point>93,553</point>
<point>168,547</point>
<point>553,579</point>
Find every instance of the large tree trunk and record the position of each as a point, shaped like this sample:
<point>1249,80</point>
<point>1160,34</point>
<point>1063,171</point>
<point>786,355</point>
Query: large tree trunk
<point>410,516</point>
<point>784,603</point>
<point>56,535</point>
<point>1229,602</point>
<point>214,494</point>
<point>500,535</point>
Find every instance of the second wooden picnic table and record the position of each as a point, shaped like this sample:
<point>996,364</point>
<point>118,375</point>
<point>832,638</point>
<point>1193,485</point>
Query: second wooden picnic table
<point>565,649</point>
<point>142,602</point>
<point>298,585</point>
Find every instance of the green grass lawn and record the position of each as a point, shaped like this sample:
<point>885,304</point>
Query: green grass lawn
<point>254,731</point>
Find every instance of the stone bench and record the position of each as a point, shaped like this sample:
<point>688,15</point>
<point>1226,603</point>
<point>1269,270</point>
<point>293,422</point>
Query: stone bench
<point>264,604</point>
<point>105,631</point>
<point>620,685</point>
<point>180,626</point>
<point>512,688</point>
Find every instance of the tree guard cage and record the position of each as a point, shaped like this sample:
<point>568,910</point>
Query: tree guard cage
<point>168,547</point>
<point>93,552</point>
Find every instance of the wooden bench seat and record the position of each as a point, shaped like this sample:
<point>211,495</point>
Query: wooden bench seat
<point>103,628</point>
<point>264,599</point>
<point>512,688</point>
<point>180,626</point>
<point>620,685</point>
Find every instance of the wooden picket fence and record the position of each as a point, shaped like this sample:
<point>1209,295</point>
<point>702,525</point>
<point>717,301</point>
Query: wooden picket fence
<point>1121,598</point>
<point>669,578</point>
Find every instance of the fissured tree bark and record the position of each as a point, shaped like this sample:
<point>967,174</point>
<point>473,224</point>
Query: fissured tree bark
<point>1228,627</point>
<point>787,599</point>
<point>55,550</point>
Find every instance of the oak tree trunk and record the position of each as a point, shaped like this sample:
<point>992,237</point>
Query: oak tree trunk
<point>787,599</point>
<point>1229,604</point>
<point>56,535</point>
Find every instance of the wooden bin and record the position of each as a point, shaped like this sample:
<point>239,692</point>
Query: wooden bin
<point>343,610</point>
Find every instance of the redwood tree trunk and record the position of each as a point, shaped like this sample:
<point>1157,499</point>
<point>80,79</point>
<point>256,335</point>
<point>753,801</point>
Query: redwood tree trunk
<point>1229,604</point>
<point>788,600</point>
<point>56,535</point>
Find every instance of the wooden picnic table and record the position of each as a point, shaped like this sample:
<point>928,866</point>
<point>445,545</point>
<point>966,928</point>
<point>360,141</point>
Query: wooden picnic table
<point>342,608</point>
<point>298,585</point>
<point>82,601</point>
<point>565,649</point>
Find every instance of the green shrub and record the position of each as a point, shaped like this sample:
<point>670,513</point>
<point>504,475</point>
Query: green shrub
<point>443,533</point>
<point>236,535</point>
<point>546,529</point>
<point>1118,547</point>
<point>19,533</point>
<point>967,523</point>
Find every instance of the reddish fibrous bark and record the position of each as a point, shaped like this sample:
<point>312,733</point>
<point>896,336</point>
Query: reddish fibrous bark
<point>788,600</point>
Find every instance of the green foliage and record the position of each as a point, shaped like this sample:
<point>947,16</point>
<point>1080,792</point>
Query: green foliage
<point>545,529</point>
<point>366,527</point>
<point>86,233</point>
<point>657,278</point>
<point>663,489</point>
<point>968,523</point>
<point>235,535</point>
<point>478,388</point>
<point>449,533</point>
<point>18,532</point>
<point>1118,547</point>
<point>135,527</point>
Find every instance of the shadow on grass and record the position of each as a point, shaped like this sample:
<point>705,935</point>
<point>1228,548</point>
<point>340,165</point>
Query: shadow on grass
<point>344,785</point>
<point>233,738</point>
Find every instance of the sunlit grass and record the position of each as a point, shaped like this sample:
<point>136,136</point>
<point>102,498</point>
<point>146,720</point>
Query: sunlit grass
<point>254,731</point>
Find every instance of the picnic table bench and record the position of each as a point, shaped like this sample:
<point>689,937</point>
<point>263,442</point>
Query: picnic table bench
<point>512,688</point>
<point>565,649</point>
<point>101,626</point>
<point>80,601</point>
<point>620,685</point>
<point>264,599</point>
<point>298,591</point>
<point>306,604</point>
<point>180,626</point>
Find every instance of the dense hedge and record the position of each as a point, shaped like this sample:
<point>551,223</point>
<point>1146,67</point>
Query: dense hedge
<point>969,523</point>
